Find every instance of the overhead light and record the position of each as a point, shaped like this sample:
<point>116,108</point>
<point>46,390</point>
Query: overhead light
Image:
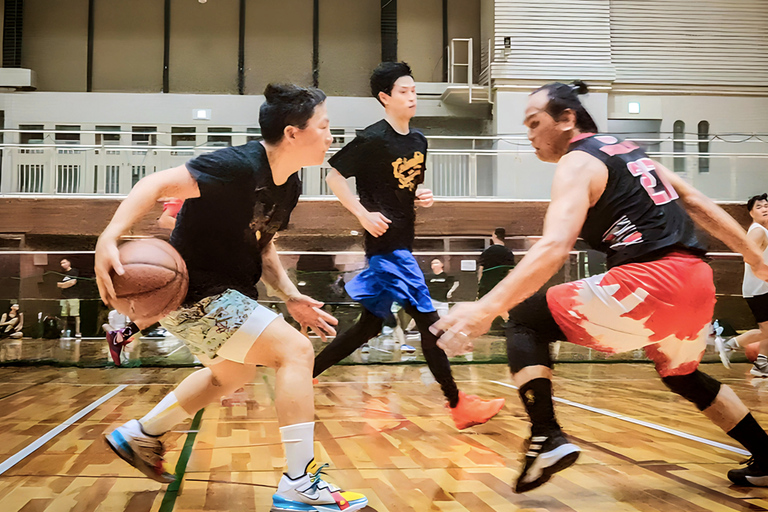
<point>201,114</point>
<point>634,107</point>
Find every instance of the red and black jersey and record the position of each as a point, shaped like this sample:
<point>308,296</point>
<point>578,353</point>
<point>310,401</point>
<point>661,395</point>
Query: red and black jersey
<point>637,218</point>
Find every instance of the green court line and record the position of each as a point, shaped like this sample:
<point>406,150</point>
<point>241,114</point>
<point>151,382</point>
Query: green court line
<point>172,492</point>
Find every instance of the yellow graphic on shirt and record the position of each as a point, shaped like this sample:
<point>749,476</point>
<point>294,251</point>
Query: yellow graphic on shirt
<point>408,170</point>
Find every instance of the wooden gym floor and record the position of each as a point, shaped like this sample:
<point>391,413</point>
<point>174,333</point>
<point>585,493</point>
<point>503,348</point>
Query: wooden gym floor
<point>384,432</point>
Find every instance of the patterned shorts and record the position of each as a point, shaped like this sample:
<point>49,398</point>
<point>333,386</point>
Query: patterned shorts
<point>224,325</point>
<point>663,306</point>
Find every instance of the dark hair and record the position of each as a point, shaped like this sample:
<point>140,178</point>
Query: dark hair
<point>752,200</point>
<point>385,75</point>
<point>563,97</point>
<point>500,233</point>
<point>287,105</point>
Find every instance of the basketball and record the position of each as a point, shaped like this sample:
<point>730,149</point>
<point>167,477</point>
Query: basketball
<point>752,350</point>
<point>154,283</point>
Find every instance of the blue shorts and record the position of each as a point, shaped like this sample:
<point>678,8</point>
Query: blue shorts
<point>391,277</point>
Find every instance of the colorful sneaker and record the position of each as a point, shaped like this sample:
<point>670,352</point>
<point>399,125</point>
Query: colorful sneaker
<point>310,493</point>
<point>724,349</point>
<point>472,410</point>
<point>545,456</point>
<point>750,476</point>
<point>407,349</point>
<point>760,368</point>
<point>140,450</point>
<point>115,344</point>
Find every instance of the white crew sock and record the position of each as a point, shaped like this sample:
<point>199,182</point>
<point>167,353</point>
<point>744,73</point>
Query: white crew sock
<point>166,415</point>
<point>299,445</point>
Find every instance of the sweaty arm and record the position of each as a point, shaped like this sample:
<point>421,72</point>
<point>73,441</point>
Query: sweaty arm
<point>373,222</point>
<point>713,219</point>
<point>578,183</point>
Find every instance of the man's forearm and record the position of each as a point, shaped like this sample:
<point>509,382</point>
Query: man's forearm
<point>274,275</point>
<point>134,207</point>
<point>340,188</point>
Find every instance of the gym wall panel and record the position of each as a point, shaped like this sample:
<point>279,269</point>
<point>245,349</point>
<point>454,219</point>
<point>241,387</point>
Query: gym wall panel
<point>702,42</point>
<point>463,23</point>
<point>278,43</point>
<point>204,46</point>
<point>55,43</point>
<point>558,39</point>
<point>128,46</point>
<point>420,38</point>
<point>350,45</point>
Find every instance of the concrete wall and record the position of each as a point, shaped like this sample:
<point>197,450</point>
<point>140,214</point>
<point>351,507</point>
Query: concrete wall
<point>55,43</point>
<point>350,45</point>
<point>420,38</point>
<point>278,43</point>
<point>128,46</point>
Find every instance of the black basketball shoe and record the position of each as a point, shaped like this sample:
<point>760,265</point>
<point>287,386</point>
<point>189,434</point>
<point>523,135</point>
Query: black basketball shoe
<point>753,475</point>
<point>546,456</point>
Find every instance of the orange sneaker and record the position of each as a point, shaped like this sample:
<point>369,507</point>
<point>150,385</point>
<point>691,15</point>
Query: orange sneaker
<point>315,382</point>
<point>472,410</point>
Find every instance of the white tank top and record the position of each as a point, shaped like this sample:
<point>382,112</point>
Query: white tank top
<point>752,286</point>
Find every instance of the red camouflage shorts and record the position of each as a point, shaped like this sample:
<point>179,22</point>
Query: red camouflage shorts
<point>664,306</point>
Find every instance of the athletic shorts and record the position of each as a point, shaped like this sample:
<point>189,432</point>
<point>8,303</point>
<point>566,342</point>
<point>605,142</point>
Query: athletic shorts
<point>224,325</point>
<point>664,306</point>
<point>759,306</point>
<point>70,307</point>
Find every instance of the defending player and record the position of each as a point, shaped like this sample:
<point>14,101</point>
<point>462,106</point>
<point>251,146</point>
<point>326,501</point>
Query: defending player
<point>658,292</point>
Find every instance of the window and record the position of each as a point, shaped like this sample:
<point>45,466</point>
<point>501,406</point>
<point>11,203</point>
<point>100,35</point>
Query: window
<point>678,145</point>
<point>703,146</point>
<point>31,137</point>
<point>253,134</point>
<point>143,136</point>
<point>182,136</point>
<point>107,138</point>
<point>67,134</point>
<point>338,137</point>
<point>219,140</point>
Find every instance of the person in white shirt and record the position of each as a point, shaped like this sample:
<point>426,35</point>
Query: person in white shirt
<point>755,291</point>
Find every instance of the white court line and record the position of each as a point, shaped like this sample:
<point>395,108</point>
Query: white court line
<point>25,452</point>
<point>642,423</point>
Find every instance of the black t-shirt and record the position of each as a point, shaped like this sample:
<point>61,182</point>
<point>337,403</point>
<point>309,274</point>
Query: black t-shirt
<point>439,285</point>
<point>71,292</point>
<point>387,167</point>
<point>637,217</point>
<point>496,261</point>
<point>222,233</point>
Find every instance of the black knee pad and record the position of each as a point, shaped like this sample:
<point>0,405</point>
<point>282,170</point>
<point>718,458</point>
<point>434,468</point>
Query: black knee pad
<point>530,331</point>
<point>696,387</point>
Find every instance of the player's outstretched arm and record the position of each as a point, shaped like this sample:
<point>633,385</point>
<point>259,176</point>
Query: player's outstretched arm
<point>302,308</point>
<point>373,222</point>
<point>175,182</point>
<point>716,221</point>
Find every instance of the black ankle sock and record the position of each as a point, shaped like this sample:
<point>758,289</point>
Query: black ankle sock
<point>130,330</point>
<point>752,437</point>
<point>537,399</point>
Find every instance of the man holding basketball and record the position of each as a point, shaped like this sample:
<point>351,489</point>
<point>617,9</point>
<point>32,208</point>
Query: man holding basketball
<point>236,199</point>
<point>658,293</point>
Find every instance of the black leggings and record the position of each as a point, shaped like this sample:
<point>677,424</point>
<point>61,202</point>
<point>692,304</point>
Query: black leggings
<point>369,325</point>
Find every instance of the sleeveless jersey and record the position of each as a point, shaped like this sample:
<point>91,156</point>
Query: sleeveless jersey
<point>752,285</point>
<point>637,218</point>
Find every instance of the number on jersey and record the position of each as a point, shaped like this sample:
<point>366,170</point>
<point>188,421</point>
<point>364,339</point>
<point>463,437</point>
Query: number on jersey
<point>660,191</point>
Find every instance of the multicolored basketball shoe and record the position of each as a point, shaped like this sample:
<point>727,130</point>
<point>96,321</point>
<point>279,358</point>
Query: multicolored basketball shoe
<point>115,343</point>
<point>545,456</point>
<point>310,493</point>
<point>140,450</point>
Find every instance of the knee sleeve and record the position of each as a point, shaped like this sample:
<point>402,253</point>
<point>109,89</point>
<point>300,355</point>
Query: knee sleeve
<point>696,387</point>
<point>530,330</point>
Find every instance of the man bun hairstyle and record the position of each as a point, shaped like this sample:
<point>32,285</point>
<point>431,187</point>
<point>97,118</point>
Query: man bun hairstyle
<point>564,97</point>
<point>752,200</point>
<point>385,75</point>
<point>287,105</point>
<point>500,233</point>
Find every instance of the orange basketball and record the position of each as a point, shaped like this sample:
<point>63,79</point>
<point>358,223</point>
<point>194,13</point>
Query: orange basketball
<point>154,283</point>
<point>752,350</point>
